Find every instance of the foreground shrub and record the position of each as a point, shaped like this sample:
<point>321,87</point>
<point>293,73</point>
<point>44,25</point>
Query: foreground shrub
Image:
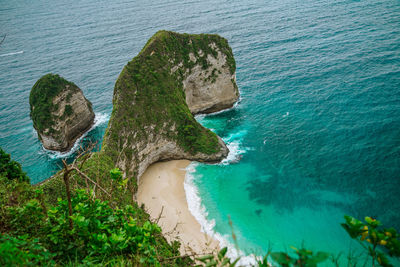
<point>10,168</point>
<point>20,251</point>
<point>379,242</point>
<point>98,231</point>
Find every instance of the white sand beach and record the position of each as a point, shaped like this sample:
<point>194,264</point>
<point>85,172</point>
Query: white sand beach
<point>162,188</point>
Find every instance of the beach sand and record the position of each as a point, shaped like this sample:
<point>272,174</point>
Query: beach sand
<point>161,187</point>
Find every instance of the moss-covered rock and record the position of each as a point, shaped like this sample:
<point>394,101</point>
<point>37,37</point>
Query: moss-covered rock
<point>59,111</point>
<point>151,119</point>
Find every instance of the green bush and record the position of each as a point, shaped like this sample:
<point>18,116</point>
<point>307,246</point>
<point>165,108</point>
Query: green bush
<point>101,233</point>
<point>68,110</point>
<point>379,242</point>
<point>304,257</point>
<point>20,251</point>
<point>98,231</point>
<point>27,218</point>
<point>10,168</point>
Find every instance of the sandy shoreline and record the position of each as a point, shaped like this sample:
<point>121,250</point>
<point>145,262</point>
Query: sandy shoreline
<point>162,188</point>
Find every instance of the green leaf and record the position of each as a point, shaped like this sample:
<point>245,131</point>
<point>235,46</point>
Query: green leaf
<point>115,174</point>
<point>147,226</point>
<point>222,253</point>
<point>114,239</point>
<point>369,220</point>
<point>225,262</point>
<point>233,264</point>
<point>205,258</point>
<point>211,263</point>
<point>372,222</point>
<point>124,182</point>
<point>350,230</point>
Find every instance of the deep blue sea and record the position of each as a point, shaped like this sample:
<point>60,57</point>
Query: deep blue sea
<point>316,134</point>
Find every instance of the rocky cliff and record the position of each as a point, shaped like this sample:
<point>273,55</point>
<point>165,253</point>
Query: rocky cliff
<point>157,93</point>
<point>59,111</point>
<point>211,87</point>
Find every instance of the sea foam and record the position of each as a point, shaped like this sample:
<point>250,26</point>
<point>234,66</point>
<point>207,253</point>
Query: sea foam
<point>236,151</point>
<point>100,118</point>
<point>11,54</point>
<point>207,226</point>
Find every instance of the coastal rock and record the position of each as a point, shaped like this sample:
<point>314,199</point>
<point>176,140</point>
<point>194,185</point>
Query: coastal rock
<point>212,88</point>
<point>155,96</point>
<point>59,111</point>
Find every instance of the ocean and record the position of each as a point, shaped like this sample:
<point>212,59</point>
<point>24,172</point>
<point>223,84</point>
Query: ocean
<point>315,135</point>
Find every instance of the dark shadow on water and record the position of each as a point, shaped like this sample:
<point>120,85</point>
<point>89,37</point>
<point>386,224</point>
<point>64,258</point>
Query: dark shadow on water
<point>302,164</point>
<point>272,191</point>
<point>286,194</point>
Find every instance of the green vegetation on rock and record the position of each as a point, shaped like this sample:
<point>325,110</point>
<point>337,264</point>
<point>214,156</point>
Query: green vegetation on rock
<point>68,110</point>
<point>59,111</point>
<point>176,47</point>
<point>149,98</point>
<point>41,99</point>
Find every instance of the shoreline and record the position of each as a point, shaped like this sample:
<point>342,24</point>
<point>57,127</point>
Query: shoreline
<point>99,118</point>
<point>161,189</point>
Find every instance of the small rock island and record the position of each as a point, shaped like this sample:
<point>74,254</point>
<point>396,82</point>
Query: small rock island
<point>60,112</point>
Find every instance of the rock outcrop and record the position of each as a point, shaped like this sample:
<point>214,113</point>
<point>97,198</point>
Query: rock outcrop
<point>59,111</point>
<point>155,96</point>
<point>212,88</point>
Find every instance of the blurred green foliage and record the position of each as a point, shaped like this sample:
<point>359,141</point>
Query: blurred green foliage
<point>10,168</point>
<point>379,242</point>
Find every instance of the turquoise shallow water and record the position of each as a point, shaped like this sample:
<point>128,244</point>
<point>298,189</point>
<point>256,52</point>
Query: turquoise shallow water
<point>315,136</point>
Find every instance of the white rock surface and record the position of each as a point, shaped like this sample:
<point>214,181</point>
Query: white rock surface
<point>66,130</point>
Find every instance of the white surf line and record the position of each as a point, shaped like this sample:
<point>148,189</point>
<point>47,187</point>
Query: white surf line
<point>13,53</point>
<point>193,198</point>
<point>200,213</point>
<point>100,118</point>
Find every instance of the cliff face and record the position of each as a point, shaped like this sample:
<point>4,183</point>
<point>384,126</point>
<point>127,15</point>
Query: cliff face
<point>60,112</point>
<point>157,93</point>
<point>212,88</point>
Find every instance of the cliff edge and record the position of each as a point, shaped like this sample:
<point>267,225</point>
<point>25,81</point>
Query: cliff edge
<point>155,96</point>
<point>59,111</point>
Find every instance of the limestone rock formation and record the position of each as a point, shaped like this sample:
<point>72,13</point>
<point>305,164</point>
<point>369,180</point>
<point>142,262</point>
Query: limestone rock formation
<point>212,88</point>
<point>155,96</point>
<point>59,111</point>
